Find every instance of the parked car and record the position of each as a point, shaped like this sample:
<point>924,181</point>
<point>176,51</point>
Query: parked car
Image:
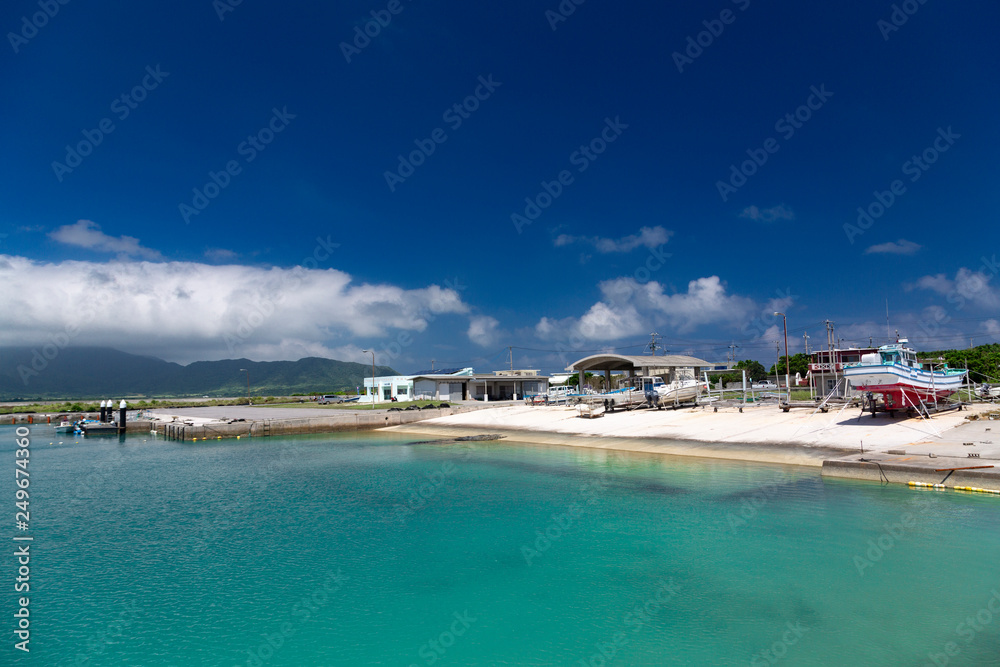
<point>330,398</point>
<point>766,384</point>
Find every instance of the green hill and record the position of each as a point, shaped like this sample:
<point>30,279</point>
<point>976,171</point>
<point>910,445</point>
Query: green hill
<point>98,372</point>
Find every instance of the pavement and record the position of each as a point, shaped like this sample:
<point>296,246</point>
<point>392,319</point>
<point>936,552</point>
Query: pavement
<point>761,433</point>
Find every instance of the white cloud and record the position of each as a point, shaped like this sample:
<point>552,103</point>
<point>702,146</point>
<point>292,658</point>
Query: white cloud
<point>650,237</point>
<point>991,327</point>
<point>966,287</point>
<point>779,212</point>
<point>184,311</point>
<point>901,247</point>
<point>629,308</point>
<point>88,234</point>
<point>483,330</point>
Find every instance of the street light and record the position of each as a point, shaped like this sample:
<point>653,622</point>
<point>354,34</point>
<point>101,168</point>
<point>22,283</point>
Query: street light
<point>373,374</point>
<point>784,321</point>
<point>248,384</point>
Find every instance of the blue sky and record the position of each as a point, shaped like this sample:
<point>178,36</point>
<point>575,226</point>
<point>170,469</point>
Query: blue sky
<point>249,199</point>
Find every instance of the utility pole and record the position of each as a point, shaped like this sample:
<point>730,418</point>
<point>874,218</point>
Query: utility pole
<point>805,337</point>
<point>652,343</point>
<point>510,353</point>
<point>732,353</point>
<point>829,347</point>
<point>432,364</point>
<point>777,360</point>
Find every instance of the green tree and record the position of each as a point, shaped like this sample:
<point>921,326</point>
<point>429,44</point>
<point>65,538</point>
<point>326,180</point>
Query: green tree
<point>755,372</point>
<point>574,379</point>
<point>799,363</point>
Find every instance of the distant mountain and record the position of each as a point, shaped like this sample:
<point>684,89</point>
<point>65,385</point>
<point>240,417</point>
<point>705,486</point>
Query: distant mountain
<point>100,372</point>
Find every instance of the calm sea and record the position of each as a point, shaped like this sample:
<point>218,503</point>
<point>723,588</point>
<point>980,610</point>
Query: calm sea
<point>366,549</point>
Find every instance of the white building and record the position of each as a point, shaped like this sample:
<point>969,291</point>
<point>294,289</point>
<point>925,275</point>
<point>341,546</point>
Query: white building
<point>456,384</point>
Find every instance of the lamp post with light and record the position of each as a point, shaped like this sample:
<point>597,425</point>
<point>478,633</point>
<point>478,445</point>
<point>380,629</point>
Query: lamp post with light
<point>784,321</point>
<point>373,374</point>
<point>247,371</point>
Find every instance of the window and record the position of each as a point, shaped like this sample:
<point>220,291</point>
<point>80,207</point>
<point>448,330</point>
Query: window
<point>387,392</point>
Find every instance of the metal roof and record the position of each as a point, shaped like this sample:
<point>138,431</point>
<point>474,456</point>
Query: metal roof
<point>624,362</point>
<point>439,371</point>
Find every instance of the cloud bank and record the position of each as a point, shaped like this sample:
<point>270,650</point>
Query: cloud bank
<point>185,311</point>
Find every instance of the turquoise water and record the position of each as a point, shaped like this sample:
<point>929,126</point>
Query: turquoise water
<point>320,550</point>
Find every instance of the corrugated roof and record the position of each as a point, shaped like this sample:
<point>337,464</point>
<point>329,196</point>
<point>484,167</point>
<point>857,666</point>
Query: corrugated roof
<point>439,371</point>
<point>616,362</point>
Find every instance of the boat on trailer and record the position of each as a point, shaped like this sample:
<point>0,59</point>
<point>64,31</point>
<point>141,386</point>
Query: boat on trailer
<point>681,390</point>
<point>902,380</point>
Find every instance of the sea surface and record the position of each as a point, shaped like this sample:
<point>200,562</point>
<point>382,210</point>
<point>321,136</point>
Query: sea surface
<point>370,549</point>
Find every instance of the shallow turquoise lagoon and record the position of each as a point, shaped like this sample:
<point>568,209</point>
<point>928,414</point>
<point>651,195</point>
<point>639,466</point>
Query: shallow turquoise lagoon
<point>365,549</point>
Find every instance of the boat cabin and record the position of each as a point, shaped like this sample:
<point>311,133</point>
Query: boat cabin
<point>896,355</point>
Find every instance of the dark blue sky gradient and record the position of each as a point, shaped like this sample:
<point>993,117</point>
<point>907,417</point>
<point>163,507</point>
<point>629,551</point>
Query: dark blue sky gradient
<point>324,174</point>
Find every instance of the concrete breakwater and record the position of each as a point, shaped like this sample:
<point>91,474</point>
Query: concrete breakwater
<point>187,429</point>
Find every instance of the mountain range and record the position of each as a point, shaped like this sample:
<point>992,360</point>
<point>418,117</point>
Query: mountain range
<point>100,372</point>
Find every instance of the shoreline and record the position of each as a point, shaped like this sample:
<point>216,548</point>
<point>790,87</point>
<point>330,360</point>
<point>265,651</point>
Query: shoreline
<point>896,449</point>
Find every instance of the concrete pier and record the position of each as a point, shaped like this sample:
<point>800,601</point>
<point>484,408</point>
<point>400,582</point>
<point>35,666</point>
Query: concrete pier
<point>185,426</point>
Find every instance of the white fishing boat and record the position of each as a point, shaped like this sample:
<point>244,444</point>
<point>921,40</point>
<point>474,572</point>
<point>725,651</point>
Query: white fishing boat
<point>65,427</point>
<point>903,381</point>
<point>678,391</point>
<point>681,390</point>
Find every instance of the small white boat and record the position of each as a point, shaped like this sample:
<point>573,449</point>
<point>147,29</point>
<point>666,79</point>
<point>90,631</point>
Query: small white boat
<point>677,391</point>
<point>65,427</point>
<point>680,390</point>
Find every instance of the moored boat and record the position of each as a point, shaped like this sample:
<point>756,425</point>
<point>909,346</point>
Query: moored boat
<point>903,381</point>
<point>65,427</point>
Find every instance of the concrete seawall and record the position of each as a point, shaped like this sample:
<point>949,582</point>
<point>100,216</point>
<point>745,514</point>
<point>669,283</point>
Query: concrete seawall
<point>329,423</point>
<point>932,471</point>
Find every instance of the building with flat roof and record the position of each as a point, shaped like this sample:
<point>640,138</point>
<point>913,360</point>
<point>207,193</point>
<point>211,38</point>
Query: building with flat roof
<point>826,370</point>
<point>456,384</point>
